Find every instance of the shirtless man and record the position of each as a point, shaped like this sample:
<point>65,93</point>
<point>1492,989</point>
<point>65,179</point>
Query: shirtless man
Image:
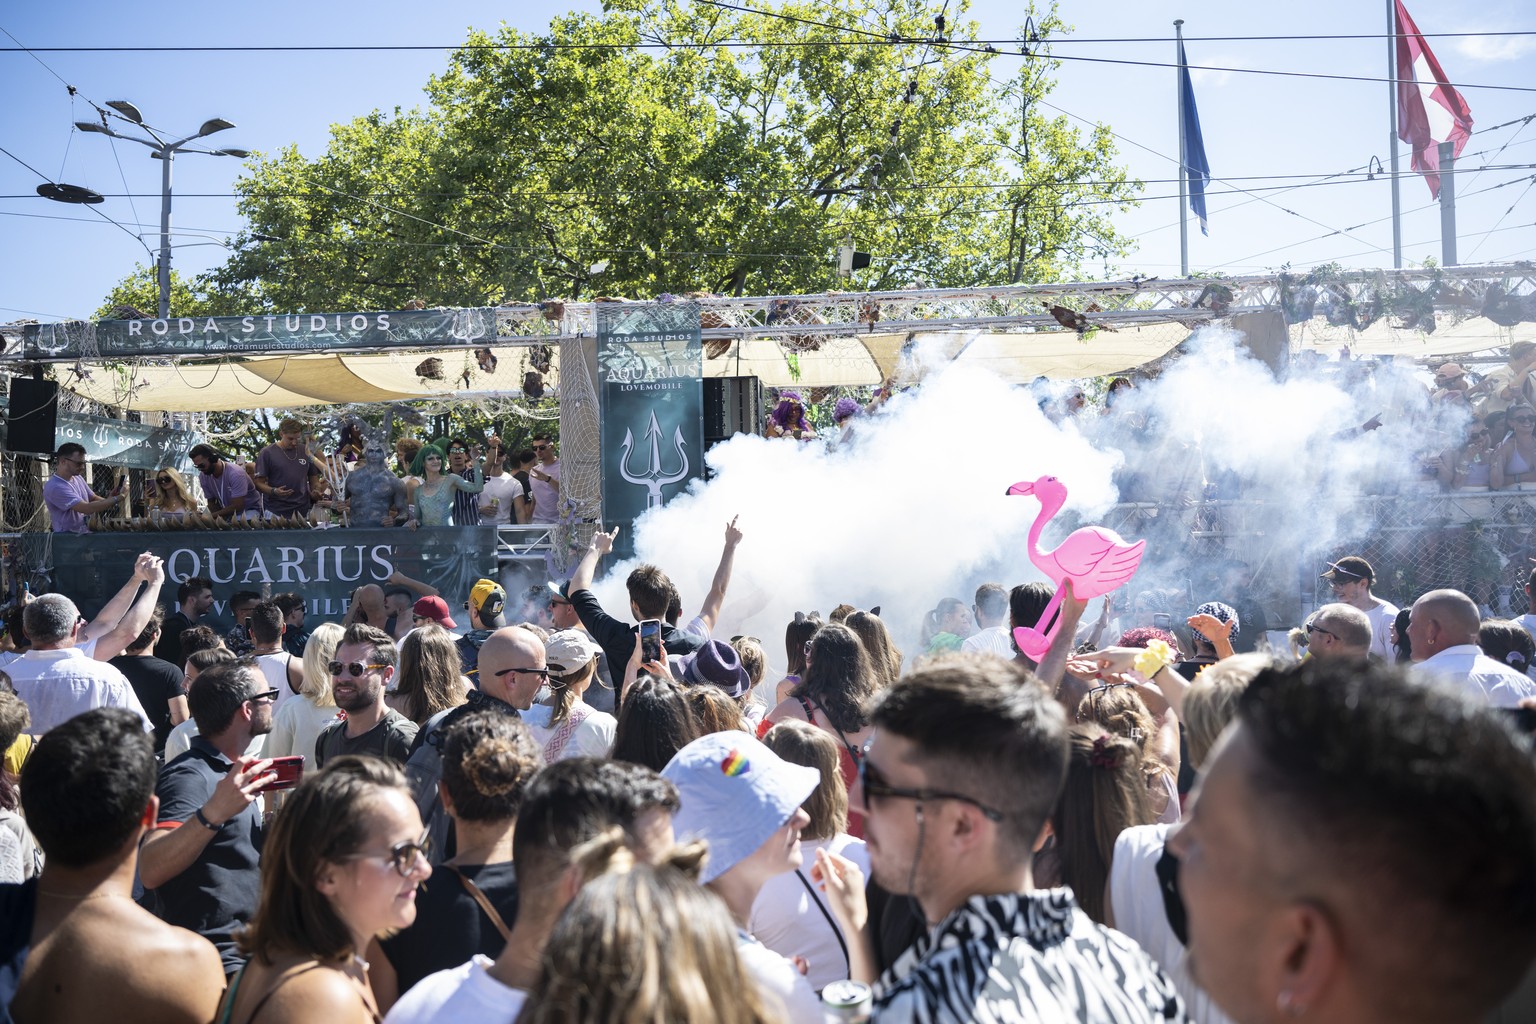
<point>89,795</point>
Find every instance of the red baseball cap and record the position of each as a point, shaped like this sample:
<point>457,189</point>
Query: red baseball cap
<point>436,609</point>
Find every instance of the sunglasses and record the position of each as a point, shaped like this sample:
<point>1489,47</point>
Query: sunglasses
<point>1522,419</point>
<point>403,857</point>
<point>263,695</point>
<point>742,636</point>
<point>1318,629</point>
<point>354,668</point>
<point>555,602</point>
<point>458,451</point>
<point>542,447</point>
<point>167,480</point>
<point>875,787</point>
<point>522,672</point>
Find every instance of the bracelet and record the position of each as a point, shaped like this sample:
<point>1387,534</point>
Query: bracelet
<point>203,821</point>
<point>1157,656</point>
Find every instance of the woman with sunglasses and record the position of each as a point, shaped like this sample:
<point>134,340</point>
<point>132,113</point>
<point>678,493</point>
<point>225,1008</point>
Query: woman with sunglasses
<point>1514,461</point>
<point>341,865</point>
<point>434,495</point>
<point>169,497</point>
<point>1471,463</point>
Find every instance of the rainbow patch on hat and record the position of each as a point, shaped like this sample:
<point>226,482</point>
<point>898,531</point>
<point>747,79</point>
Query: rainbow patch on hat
<point>735,764</point>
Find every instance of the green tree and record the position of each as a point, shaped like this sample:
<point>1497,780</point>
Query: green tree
<point>200,296</point>
<point>698,164</point>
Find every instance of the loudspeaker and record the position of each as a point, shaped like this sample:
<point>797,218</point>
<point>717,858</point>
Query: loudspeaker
<point>732,405</point>
<point>31,419</point>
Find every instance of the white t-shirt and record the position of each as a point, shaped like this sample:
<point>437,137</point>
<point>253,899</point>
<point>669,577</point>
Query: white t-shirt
<point>1382,617</point>
<point>295,727</point>
<point>780,984</point>
<point>786,919</point>
<point>992,640</point>
<point>592,738</point>
<point>1137,901</point>
<point>503,488</point>
<point>459,995</point>
<point>1527,622</point>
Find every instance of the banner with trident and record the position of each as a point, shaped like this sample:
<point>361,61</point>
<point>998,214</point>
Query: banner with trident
<point>650,362</point>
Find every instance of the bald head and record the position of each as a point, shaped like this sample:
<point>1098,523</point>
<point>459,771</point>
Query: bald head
<point>1340,631</point>
<point>371,597</point>
<point>507,649</point>
<point>1442,619</point>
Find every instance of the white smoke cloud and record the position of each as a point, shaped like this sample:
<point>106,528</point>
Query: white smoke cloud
<point>915,510</point>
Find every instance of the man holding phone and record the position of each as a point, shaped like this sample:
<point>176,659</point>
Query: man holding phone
<point>68,497</point>
<point>650,591</point>
<point>201,859</point>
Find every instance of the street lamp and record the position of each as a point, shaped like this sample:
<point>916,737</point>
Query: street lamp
<point>164,151</point>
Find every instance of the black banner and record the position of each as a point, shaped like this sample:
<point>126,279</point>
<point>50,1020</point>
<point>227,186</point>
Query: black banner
<point>256,335</point>
<point>650,366</point>
<point>324,566</point>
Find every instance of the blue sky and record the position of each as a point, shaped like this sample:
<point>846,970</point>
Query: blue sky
<point>58,262</point>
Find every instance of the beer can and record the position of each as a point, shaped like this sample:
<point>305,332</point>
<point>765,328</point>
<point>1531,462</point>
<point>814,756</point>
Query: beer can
<point>847,1001</point>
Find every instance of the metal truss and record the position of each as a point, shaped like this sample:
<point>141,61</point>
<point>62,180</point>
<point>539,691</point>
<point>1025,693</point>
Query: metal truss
<point>1082,305</point>
<point>1019,307</point>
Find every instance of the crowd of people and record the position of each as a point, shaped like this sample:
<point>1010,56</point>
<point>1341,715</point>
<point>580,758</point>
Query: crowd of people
<point>560,811</point>
<point>447,482</point>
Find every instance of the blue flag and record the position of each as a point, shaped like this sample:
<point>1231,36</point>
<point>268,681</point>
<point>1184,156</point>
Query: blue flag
<point>1193,157</point>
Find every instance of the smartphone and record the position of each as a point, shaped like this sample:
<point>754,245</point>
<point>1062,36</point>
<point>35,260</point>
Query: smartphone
<point>650,640</point>
<point>289,771</point>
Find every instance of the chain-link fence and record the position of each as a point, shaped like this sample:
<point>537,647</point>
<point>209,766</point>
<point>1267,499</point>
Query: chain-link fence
<point>1480,542</point>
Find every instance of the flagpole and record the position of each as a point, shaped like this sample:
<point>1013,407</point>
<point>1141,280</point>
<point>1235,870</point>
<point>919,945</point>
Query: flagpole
<point>1178,29</point>
<point>1392,72</point>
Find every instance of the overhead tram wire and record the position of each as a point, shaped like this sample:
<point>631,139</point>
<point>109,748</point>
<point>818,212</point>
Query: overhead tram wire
<point>88,206</point>
<point>872,39</point>
<point>1503,217</point>
<point>876,39</point>
<point>1052,56</point>
<point>1359,177</point>
<point>1418,209</point>
<point>988,47</point>
<point>1366,168</point>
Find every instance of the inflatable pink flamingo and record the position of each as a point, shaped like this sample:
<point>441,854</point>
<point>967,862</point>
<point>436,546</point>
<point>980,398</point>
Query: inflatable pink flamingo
<point>1096,560</point>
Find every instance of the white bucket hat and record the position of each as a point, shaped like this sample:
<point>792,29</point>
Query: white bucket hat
<point>735,793</point>
<point>567,650</point>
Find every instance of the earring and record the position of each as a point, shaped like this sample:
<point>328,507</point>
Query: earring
<point>1287,1004</point>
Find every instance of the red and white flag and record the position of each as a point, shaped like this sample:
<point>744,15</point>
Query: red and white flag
<point>1429,111</point>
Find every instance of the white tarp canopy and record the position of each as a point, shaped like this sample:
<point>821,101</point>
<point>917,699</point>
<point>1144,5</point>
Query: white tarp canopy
<point>810,361</point>
<point>828,361</point>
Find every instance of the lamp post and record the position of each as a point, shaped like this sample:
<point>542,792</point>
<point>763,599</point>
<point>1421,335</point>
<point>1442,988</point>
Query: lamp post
<point>165,151</point>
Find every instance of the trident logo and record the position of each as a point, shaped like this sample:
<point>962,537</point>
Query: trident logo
<point>654,478</point>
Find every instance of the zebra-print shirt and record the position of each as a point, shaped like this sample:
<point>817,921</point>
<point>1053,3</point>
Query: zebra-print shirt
<point>1025,957</point>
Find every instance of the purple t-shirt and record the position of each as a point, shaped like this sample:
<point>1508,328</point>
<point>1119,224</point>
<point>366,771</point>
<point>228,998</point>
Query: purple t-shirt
<point>228,487</point>
<point>286,469</point>
<point>61,496</point>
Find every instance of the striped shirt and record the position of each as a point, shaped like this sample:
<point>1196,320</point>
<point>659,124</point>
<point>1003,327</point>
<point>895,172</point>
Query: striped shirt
<point>1025,956</point>
<point>466,506</point>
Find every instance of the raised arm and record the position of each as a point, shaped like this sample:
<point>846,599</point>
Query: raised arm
<point>116,640</point>
<point>1052,671</point>
<point>710,613</point>
<point>419,588</point>
<point>113,611</point>
<point>602,544</point>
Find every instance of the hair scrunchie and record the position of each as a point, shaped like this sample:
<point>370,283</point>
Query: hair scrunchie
<point>1104,756</point>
